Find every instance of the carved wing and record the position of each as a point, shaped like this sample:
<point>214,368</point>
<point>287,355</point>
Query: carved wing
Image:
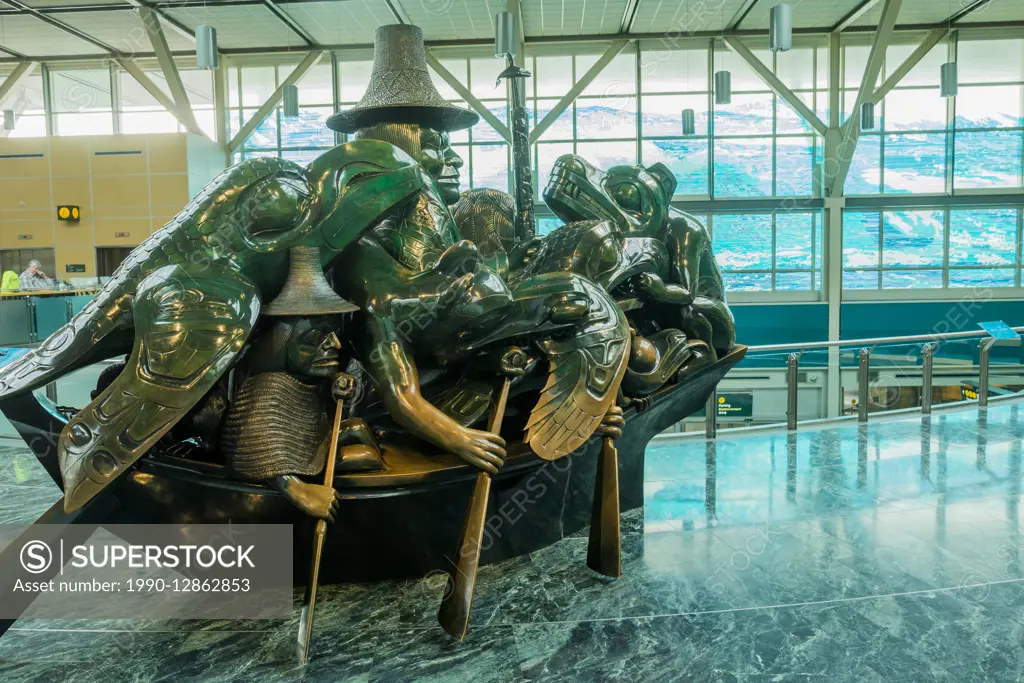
<point>191,322</point>
<point>585,373</point>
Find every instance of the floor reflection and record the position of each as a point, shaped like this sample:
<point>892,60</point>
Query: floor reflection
<point>882,552</point>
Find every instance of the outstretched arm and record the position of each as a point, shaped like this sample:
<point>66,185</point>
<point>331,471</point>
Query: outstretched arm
<point>398,383</point>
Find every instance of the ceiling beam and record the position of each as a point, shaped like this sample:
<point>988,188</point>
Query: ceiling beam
<point>397,11</point>
<point>574,92</point>
<point>17,55</point>
<point>851,17</point>
<point>930,41</point>
<point>57,23</point>
<point>776,85</point>
<point>20,73</point>
<point>170,70</point>
<point>628,16</point>
<point>179,28</point>
<point>969,9</point>
<point>264,111</point>
<point>851,129</point>
<point>477,106</point>
<point>741,14</point>
<point>155,91</point>
<point>286,19</point>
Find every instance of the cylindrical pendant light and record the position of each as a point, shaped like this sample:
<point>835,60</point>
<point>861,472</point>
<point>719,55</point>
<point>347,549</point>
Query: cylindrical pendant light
<point>290,100</point>
<point>206,47</point>
<point>8,119</point>
<point>948,81</point>
<point>504,34</point>
<point>689,122</point>
<point>723,87</point>
<point>867,116</point>
<point>780,28</point>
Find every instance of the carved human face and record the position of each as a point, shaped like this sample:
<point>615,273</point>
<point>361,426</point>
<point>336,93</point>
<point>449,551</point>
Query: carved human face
<point>442,163</point>
<point>313,347</point>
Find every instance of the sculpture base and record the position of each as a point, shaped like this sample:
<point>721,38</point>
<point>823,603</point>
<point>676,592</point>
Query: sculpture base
<point>407,523</point>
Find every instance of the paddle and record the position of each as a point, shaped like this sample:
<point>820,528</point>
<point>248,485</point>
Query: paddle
<point>344,387</point>
<point>458,597</point>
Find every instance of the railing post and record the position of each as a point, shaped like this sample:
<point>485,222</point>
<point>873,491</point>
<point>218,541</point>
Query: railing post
<point>792,368</point>
<point>711,416</point>
<point>51,392</point>
<point>927,356</point>
<point>862,384</point>
<point>983,353</point>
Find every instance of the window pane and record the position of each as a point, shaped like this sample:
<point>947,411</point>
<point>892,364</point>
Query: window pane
<point>743,77</point>
<point>308,129</point>
<point>662,114</point>
<point>792,281</point>
<point>746,115</point>
<point>987,159</point>
<point>795,68</point>
<point>265,135</point>
<point>794,166</point>
<point>601,118</point>
<point>993,106</point>
<point>80,91</point>
<point>483,75</point>
<point>982,277</point>
<point>787,120</point>
<point>743,242</point>
<point>148,122</point>
<point>89,123</point>
<point>617,78</point>
<point>258,84</point>
<point>547,153</point>
<point>688,160</point>
<point>743,168</point>
<point>490,166</point>
<point>911,279</point>
<point>561,129</point>
<point>483,131</point>
<point>553,76</point>
<point>912,238</point>
<point>546,225</point>
<point>860,239</point>
<point>354,78</point>
<point>990,61</point>
<point>303,157</point>
<point>674,70</point>
<point>747,282</point>
<point>915,163</point>
<point>793,240</point>
<point>914,110</point>
<point>985,237</point>
<point>860,279</point>
<point>29,127</point>
<point>606,154</point>
<point>315,87</point>
<point>865,175</point>
<point>925,72</point>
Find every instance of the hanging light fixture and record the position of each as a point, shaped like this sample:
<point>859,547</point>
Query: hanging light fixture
<point>867,116</point>
<point>504,35</point>
<point>689,122</point>
<point>780,28</point>
<point>8,119</point>
<point>723,87</point>
<point>206,47</point>
<point>290,101</point>
<point>948,80</point>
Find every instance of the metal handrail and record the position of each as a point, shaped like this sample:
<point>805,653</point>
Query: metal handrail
<point>864,370</point>
<point>872,341</point>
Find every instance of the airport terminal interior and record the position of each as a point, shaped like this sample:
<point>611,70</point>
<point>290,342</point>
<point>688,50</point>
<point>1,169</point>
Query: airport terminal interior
<point>844,504</point>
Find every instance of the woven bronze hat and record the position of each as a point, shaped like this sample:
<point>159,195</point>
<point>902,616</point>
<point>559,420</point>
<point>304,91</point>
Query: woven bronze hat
<point>400,89</point>
<point>306,291</point>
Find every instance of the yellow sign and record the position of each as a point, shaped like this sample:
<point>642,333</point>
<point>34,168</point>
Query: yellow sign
<point>68,213</point>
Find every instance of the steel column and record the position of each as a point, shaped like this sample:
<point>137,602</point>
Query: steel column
<point>792,375</point>
<point>984,351</point>
<point>927,358</point>
<point>863,374</point>
<point>711,416</point>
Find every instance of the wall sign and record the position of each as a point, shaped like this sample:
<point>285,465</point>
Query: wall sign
<point>122,234</point>
<point>68,213</point>
<point>736,405</point>
<point>74,268</point>
<point>24,237</point>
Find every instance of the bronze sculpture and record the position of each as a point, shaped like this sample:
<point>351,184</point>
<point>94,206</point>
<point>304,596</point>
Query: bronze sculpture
<point>374,263</point>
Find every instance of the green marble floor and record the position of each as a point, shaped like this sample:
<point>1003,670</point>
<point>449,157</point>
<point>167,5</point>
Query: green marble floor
<point>885,553</point>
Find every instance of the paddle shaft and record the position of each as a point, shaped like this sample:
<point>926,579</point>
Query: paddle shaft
<point>458,596</point>
<point>604,550</point>
<point>319,535</point>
